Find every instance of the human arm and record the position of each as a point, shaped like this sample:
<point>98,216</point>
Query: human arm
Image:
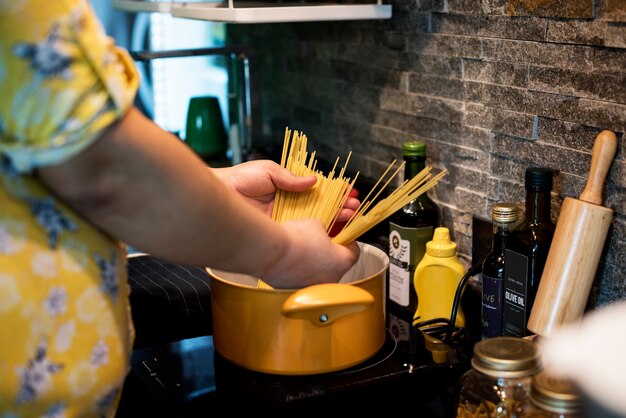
<point>143,186</point>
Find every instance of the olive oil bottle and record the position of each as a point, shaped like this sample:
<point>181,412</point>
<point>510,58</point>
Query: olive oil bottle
<point>527,251</point>
<point>410,228</point>
<point>504,216</point>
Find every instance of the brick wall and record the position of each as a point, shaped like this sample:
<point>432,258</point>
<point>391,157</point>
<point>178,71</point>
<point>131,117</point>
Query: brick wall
<point>492,86</point>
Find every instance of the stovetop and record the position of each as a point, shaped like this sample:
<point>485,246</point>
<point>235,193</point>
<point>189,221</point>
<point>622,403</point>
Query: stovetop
<point>188,378</point>
<point>177,373</point>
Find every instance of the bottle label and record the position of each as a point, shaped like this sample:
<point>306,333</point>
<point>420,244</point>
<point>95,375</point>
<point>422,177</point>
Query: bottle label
<point>514,308</point>
<point>406,249</point>
<point>491,306</point>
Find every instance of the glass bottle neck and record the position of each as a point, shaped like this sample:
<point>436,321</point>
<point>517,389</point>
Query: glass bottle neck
<point>537,206</point>
<point>500,232</point>
<point>413,166</point>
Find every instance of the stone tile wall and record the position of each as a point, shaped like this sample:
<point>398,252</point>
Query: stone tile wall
<point>492,86</point>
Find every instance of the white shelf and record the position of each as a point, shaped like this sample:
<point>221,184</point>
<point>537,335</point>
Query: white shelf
<point>143,5</point>
<point>260,12</point>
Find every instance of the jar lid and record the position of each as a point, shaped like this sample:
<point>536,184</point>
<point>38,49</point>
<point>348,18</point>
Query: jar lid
<point>506,357</point>
<point>414,149</point>
<point>555,394</point>
<point>504,212</point>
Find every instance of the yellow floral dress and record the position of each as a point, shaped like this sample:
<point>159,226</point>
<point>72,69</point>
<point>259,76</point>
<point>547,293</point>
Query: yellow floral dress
<point>65,329</point>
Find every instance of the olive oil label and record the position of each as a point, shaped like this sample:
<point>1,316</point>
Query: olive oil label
<point>406,249</point>
<point>514,311</point>
<point>491,306</point>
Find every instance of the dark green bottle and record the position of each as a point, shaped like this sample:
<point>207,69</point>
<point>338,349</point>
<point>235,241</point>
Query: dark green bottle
<point>527,252</point>
<point>410,228</point>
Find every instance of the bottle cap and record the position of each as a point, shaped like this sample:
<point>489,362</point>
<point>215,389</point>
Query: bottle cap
<point>414,149</point>
<point>441,245</point>
<point>538,178</point>
<point>504,212</point>
<point>506,357</point>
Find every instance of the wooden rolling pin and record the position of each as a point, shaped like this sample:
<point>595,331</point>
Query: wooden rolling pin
<point>576,247</point>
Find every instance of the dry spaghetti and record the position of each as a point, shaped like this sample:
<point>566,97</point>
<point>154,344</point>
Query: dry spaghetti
<point>326,198</point>
<point>322,201</point>
<point>365,218</point>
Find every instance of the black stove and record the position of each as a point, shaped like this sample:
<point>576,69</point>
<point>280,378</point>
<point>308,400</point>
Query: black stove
<point>187,378</point>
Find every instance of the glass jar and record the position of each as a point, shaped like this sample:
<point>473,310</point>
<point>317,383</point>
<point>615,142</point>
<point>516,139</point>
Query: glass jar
<point>499,381</point>
<point>553,397</point>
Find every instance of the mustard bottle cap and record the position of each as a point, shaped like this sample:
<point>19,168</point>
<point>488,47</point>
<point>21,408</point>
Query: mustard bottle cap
<point>441,245</point>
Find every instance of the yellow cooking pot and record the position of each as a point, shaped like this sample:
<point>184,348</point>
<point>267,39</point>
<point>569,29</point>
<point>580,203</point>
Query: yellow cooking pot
<point>317,329</point>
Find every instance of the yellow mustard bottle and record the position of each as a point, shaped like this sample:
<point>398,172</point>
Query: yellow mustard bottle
<point>436,280</point>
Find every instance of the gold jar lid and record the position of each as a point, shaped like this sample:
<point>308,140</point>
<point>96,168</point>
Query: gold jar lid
<point>555,394</point>
<point>506,357</point>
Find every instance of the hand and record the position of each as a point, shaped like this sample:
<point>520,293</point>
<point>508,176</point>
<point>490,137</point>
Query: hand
<point>257,181</point>
<point>311,257</point>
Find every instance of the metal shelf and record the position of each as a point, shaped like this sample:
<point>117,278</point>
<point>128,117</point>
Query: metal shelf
<point>260,12</point>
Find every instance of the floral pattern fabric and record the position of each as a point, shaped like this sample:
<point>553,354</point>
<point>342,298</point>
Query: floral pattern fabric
<point>65,329</point>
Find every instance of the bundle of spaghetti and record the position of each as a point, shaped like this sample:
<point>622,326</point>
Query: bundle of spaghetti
<point>365,218</point>
<point>326,198</point>
<point>322,201</point>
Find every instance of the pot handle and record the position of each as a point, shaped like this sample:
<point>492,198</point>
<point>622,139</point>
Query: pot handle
<point>322,304</point>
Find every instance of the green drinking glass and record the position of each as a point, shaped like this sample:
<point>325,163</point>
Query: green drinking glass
<point>205,132</point>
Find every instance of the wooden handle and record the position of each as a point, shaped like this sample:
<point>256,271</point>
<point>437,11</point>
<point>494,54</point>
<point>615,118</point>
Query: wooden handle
<point>602,154</point>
